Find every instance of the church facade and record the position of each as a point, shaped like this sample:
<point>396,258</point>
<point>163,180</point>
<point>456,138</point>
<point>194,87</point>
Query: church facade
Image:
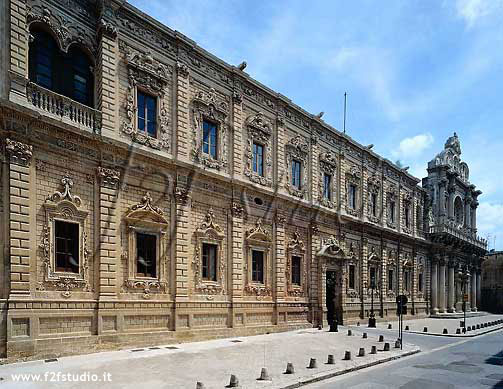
<point>151,194</point>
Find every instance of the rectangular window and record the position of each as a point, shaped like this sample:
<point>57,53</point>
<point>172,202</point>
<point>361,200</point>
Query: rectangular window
<point>296,176</point>
<point>392,211</point>
<point>66,237</point>
<point>147,114</point>
<point>210,139</point>
<point>373,277</point>
<point>209,268</point>
<point>146,255</point>
<point>257,266</point>
<point>406,280</point>
<point>352,196</point>
<point>373,203</point>
<point>352,277</point>
<point>407,218</point>
<point>296,263</point>
<point>420,282</point>
<point>327,186</point>
<point>258,159</point>
<point>391,281</point>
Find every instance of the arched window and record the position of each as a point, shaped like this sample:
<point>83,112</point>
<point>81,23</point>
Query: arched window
<point>69,74</point>
<point>458,210</point>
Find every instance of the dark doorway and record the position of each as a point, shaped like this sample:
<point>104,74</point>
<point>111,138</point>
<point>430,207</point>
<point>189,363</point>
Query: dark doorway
<point>330,295</point>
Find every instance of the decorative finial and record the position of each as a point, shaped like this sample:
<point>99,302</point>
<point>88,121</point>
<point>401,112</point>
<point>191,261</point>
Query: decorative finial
<point>320,115</point>
<point>242,66</point>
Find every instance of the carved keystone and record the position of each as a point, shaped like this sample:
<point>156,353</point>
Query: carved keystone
<point>347,356</point>
<point>264,375</point>
<point>312,364</point>
<point>386,346</point>
<point>381,338</point>
<point>373,350</point>
<point>289,368</point>
<point>361,352</point>
<point>331,360</point>
<point>234,382</point>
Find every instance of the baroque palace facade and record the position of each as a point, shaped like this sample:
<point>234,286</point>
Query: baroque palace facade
<point>152,193</point>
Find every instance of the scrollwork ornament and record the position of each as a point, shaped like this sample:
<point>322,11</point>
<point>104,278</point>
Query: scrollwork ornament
<point>19,153</point>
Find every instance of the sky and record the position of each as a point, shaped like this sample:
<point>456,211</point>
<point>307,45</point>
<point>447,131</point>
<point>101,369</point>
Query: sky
<point>414,72</point>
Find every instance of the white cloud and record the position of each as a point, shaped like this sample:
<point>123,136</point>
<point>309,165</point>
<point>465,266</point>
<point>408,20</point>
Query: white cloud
<point>410,148</point>
<point>490,221</point>
<point>473,10</point>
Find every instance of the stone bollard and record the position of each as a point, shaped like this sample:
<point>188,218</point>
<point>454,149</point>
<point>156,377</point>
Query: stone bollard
<point>347,356</point>
<point>331,360</point>
<point>469,328</point>
<point>350,333</point>
<point>264,375</point>
<point>312,364</point>
<point>361,352</point>
<point>386,346</point>
<point>397,343</point>
<point>319,327</point>
<point>234,382</point>
<point>478,326</point>
<point>289,368</point>
<point>358,324</point>
<point>458,331</point>
<point>425,329</point>
<point>373,350</point>
<point>444,331</point>
<point>406,328</point>
<point>364,336</point>
<point>390,326</point>
<point>200,385</point>
<point>381,338</point>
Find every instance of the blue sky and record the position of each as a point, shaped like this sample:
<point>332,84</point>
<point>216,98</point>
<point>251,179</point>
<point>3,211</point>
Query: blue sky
<point>414,71</point>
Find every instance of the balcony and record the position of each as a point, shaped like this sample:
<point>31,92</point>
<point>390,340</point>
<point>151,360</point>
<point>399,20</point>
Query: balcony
<point>63,108</point>
<point>463,235</point>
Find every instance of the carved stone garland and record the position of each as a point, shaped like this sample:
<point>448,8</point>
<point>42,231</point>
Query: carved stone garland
<point>407,205</point>
<point>260,238</point>
<point>328,164</point>
<point>353,177</point>
<point>146,217</point>
<point>147,74</point>
<point>209,232</point>
<point>297,148</point>
<point>209,106</point>
<point>373,187</point>
<point>296,247</point>
<point>259,129</point>
<point>64,206</point>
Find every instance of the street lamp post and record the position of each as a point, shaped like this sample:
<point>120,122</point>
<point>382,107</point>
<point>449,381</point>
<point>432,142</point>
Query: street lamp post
<point>372,316</point>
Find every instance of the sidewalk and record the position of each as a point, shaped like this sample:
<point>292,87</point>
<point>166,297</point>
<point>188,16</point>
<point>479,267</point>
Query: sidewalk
<point>436,326</point>
<point>213,362</point>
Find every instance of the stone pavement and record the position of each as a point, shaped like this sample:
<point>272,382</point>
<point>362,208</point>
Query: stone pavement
<point>436,326</point>
<point>213,362</point>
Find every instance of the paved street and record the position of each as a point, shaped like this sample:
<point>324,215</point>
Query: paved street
<point>443,363</point>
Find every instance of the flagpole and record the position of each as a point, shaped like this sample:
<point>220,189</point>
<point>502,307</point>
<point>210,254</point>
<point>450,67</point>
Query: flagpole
<point>345,97</point>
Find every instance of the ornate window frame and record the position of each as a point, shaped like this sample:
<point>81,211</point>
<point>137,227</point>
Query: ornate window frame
<point>353,177</point>
<point>259,129</point>
<point>407,266</point>
<point>420,263</point>
<point>209,106</point>
<point>260,239</point>
<point>209,232</point>
<point>67,207</point>
<point>373,187</point>
<point>374,261</point>
<point>296,247</point>
<point>408,202</point>
<point>392,195</point>
<point>327,164</point>
<point>147,218</point>
<point>152,77</point>
<point>391,265</point>
<point>297,148</point>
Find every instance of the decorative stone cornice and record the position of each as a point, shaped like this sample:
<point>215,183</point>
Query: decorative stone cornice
<point>19,153</point>
<point>109,178</point>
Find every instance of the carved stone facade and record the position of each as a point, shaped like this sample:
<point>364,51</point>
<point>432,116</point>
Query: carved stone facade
<point>137,238</point>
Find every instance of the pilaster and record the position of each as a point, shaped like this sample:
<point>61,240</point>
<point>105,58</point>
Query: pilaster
<point>18,50</point>
<point>280,246</point>
<point>237,213</point>
<point>182,199</point>
<point>21,225</point>
<point>238,134</point>
<point>108,232</point>
<point>183,132</point>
